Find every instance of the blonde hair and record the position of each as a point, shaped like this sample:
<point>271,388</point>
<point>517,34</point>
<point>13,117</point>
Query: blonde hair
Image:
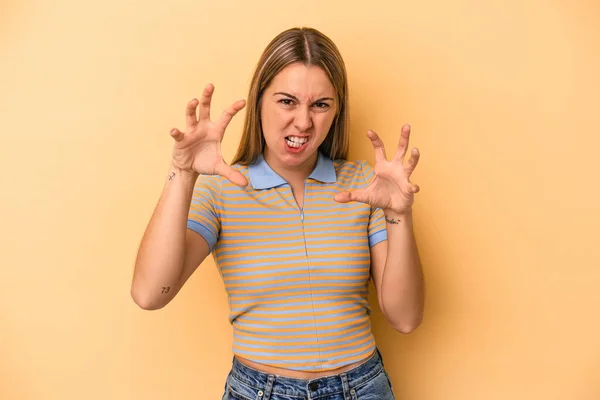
<point>311,48</point>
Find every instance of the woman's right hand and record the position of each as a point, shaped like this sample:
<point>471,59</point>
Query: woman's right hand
<point>198,150</point>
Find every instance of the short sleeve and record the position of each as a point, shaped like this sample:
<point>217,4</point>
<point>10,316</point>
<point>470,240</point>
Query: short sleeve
<point>203,217</point>
<point>377,226</point>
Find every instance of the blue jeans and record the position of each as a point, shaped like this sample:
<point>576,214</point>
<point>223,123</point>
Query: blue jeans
<point>367,381</point>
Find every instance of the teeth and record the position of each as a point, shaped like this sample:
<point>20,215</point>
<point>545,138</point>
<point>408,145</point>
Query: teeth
<point>296,142</point>
<point>297,139</point>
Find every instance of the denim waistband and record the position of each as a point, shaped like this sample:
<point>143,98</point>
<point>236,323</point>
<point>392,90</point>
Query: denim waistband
<point>274,384</point>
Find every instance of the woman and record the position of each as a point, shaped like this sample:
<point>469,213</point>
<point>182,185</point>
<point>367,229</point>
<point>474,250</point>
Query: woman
<point>296,230</point>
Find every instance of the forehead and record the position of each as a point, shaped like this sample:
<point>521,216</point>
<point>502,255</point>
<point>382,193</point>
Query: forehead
<point>304,82</point>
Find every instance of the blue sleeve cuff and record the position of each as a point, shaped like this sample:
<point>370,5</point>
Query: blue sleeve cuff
<point>203,231</point>
<point>377,237</point>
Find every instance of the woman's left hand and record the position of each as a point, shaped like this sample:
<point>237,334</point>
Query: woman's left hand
<point>391,188</point>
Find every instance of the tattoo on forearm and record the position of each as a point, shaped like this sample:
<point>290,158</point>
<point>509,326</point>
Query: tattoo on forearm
<point>392,221</point>
<point>166,289</point>
<point>172,175</point>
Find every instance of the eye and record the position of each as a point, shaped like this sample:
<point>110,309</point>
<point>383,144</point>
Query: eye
<point>321,105</point>
<point>286,102</point>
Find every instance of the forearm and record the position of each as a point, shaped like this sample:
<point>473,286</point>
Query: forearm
<point>402,297</point>
<point>160,258</point>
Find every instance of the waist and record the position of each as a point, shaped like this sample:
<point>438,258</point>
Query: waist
<point>319,383</point>
<point>289,373</point>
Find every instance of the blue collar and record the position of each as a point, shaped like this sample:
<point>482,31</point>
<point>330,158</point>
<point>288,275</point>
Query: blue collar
<point>262,175</point>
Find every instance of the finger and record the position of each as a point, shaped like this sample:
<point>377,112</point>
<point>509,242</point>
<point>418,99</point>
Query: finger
<point>190,113</point>
<point>205,102</point>
<point>177,134</point>
<point>414,188</point>
<point>413,161</point>
<point>229,113</point>
<point>235,177</point>
<point>403,143</point>
<point>377,145</point>
<point>354,195</point>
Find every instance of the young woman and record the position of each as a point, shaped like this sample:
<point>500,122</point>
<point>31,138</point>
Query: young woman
<point>295,229</point>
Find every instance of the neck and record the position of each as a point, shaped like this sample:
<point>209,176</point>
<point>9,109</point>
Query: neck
<point>293,175</point>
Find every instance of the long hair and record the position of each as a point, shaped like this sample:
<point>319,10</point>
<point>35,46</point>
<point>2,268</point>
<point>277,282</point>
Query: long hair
<point>311,48</point>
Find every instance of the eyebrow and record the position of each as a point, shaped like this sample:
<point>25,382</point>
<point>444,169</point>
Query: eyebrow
<point>295,98</point>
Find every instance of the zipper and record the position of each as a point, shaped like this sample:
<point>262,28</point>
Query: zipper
<point>309,272</point>
<point>302,219</point>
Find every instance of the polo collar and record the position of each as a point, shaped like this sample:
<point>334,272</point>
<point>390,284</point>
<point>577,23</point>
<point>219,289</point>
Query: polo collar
<point>262,175</point>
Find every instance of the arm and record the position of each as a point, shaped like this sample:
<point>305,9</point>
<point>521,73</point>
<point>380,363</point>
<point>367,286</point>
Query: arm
<point>169,253</point>
<point>395,263</point>
<point>398,276</point>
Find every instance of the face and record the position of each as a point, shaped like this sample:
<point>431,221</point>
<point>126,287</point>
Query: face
<point>297,111</point>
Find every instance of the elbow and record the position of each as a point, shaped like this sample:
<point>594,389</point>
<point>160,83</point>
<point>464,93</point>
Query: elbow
<point>403,319</point>
<point>406,328</point>
<point>406,325</point>
<point>144,301</point>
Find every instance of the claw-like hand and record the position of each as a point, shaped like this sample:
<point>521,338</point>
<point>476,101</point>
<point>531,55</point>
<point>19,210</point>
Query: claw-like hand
<point>391,188</point>
<point>198,150</point>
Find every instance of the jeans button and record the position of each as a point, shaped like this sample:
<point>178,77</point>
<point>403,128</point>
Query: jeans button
<point>313,386</point>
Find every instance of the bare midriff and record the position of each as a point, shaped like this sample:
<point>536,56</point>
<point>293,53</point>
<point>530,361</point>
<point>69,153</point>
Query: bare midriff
<point>297,374</point>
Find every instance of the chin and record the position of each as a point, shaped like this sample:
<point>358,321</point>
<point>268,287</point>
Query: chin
<point>298,159</point>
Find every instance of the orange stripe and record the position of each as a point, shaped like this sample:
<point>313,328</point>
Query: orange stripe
<point>338,251</point>
<point>292,265</point>
<point>234,203</point>
<point>279,231</point>
<point>279,252</point>
<point>244,319</point>
<point>279,266</point>
<point>202,219</point>
<point>228,284</point>
<point>304,314</point>
<point>250,195</point>
<point>203,185</point>
<point>286,348</point>
<point>313,273</point>
<point>256,303</point>
<point>309,357</point>
<point>260,210</point>
<point>312,305</point>
<point>325,217</point>
<point>225,219</point>
<point>309,313</point>
<point>308,292</point>
<point>362,328</point>
<point>366,327</point>
<point>324,235</point>
<point>349,287</point>
<point>306,328</point>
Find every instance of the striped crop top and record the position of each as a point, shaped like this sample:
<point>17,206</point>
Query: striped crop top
<point>296,279</point>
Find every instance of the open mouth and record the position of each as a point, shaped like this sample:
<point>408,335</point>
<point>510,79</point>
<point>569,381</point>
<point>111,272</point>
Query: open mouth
<point>296,142</point>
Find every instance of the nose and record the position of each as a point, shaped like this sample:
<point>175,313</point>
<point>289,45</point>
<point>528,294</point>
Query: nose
<point>303,119</point>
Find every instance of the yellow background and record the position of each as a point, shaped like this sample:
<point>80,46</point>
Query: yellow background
<point>503,98</point>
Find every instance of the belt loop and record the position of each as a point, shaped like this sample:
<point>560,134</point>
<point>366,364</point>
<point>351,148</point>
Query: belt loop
<point>345,386</point>
<point>269,387</point>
